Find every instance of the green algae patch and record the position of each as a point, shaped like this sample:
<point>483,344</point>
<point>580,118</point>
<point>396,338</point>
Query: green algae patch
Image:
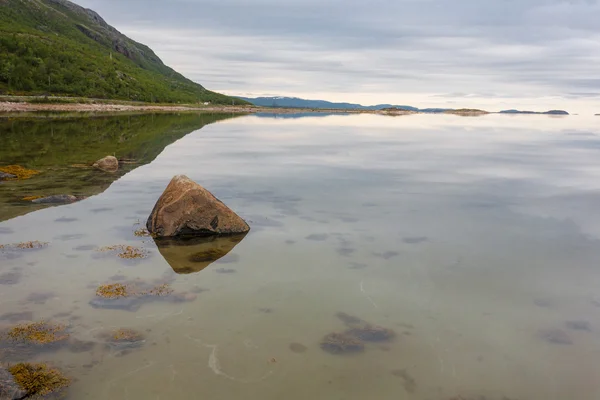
<point>39,333</point>
<point>39,379</point>
<point>126,252</point>
<point>20,172</point>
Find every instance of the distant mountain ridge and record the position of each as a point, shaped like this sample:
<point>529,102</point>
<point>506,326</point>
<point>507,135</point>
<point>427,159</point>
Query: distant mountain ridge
<point>295,102</point>
<point>58,47</point>
<point>551,112</point>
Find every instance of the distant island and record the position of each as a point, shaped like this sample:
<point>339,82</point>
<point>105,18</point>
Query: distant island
<point>55,47</point>
<point>551,112</point>
<point>295,102</point>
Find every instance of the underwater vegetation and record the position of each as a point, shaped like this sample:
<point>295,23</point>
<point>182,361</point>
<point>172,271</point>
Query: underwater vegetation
<point>123,338</point>
<point>38,379</point>
<point>142,232</point>
<point>354,338</point>
<point>339,343</point>
<point>38,333</point>
<point>371,333</point>
<point>126,252</point>
<point>131,295</point>
<point>112,291</point>
<point>35,244</point>
<point>18,171</point>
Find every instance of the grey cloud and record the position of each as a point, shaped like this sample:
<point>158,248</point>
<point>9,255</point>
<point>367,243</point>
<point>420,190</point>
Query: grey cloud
<point>505,47</point>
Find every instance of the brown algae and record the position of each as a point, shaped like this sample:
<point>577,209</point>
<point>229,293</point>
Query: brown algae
<point>339,343</point>
<point>371,333</point>
<point>142,232</point>
<point>38,379</point>
<point>19,172</point>
<point>32,198</point>
<point>126,252</point>
<point>31,245</point>
<point>113,291</point>
<point>118,290</point>
<point>39,333</point>
<point>34,244</point>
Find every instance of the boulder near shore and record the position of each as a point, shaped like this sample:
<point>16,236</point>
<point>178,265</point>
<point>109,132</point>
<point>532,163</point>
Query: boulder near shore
<point>107,164</point>
<point>187,209</point>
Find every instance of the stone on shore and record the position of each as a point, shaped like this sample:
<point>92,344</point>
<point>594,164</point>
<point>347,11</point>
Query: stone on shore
<point>187,209</point>
<point>107,164</point>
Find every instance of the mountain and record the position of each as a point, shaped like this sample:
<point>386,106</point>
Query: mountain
<point>294,102</point>
<point>58,47</point>
<point>551,112</point>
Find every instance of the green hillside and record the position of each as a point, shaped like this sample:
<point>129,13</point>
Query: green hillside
<point>57,47</point>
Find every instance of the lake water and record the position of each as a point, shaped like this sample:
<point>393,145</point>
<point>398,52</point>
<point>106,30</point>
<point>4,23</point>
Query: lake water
<point>476,240</point>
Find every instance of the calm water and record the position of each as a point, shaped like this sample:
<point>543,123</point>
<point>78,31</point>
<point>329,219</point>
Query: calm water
<point>474,239</point>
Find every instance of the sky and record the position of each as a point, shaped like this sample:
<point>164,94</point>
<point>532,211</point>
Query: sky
<point>527,54</point>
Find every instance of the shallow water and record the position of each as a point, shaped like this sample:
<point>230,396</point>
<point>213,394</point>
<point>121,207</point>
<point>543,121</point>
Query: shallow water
<point>474,239</point>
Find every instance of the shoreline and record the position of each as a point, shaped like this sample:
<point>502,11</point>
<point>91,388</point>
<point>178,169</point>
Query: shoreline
<point>107,107</point>
<point>94,106</point>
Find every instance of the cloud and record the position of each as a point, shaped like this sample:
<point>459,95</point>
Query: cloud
<point>505,48</point>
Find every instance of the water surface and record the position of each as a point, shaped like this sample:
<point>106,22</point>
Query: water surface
<point>474,239</point>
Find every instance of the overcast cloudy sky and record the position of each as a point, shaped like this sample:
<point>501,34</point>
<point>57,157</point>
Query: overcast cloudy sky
<point>536,54</point>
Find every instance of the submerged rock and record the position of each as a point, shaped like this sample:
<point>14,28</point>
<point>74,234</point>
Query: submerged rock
<point>58,199</point>
<point>107,164</point>
<point>5,176</point>
<point>9,389</point>
<point>187,209</point>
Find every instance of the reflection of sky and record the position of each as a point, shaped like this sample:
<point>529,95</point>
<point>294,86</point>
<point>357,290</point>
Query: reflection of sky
<point>529,54</point>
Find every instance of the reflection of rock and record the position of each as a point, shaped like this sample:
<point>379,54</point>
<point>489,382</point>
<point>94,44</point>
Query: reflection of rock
<point>107,164</point>
<point>187,209</point>
<point>187,256</point>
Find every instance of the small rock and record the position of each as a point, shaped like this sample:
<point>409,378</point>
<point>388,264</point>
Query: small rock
<point>107,164</point>
<point>9,389</point>
<point>187,209</point>
<point>57,199</point>
<point>5,176</point>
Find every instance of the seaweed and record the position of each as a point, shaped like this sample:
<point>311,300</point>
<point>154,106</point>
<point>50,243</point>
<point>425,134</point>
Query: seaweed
<point>19,172</point>
<point>126,252</point>
<point>39,379</point>
<point>38,333</point>
<point>340,343</point>
<point>113,291</point>
<point>371,333</point>
<point>142,232</point>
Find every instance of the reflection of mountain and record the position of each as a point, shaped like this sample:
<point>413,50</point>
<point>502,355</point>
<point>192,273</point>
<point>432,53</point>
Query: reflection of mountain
<point>193,255</point>
<point>62,147</point>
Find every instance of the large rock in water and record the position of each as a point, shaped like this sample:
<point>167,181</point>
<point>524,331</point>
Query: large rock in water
<point>107,164</point>
<point>187,209</point>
